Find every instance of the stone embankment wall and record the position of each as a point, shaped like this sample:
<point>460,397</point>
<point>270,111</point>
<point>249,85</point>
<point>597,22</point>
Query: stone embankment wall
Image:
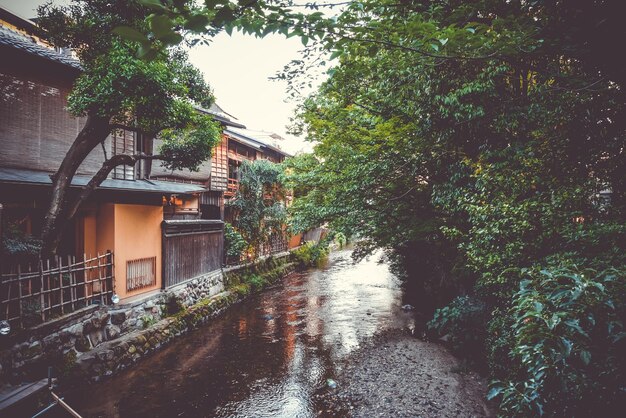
<point>99,341</point>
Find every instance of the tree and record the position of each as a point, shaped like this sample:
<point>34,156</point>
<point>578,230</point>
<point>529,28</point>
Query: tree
<point>259,204</point>
<point>492,128</point>
<point>118,90</point>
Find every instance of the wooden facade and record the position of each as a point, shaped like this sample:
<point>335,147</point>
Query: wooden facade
<point>191,249</point>
<point>219,168</point>
<point>125,215</point>
<point>164,226</point>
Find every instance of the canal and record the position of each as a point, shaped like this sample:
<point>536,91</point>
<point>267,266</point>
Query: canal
<point>265,357</point>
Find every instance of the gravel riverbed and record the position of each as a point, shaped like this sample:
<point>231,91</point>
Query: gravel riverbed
<point>396,374</point>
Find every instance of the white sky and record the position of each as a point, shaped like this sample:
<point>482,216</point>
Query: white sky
<point>238,68</point>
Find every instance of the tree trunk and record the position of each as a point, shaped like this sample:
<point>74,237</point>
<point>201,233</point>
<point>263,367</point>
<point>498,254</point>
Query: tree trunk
<point>95,131</point>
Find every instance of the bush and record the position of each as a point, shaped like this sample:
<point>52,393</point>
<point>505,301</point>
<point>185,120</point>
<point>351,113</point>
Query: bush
<point>19,247</point>
<point>234,244</point>
<point>464,322</point>
<point>311,254</point>
<point>568,344</point>
<point>256,282</point>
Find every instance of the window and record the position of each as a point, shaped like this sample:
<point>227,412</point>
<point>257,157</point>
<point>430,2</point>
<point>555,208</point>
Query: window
<point>140,273</point>
<point>234,169</point>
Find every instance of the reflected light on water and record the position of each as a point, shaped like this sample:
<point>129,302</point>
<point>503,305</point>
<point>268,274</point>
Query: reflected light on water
<point>265,357</point>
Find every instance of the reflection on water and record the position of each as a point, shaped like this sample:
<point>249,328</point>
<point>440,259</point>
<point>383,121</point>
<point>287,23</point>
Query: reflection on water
<point>264,357</point>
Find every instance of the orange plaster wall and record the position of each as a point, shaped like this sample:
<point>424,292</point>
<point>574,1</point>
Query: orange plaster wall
<point>294,241</point>
<point>137,235</point>
<point>90,231</point>
<point>105,231</point>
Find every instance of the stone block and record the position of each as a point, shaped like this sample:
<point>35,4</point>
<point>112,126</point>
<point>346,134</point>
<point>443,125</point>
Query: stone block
<point>118,317</point>
<point>82,344</point>
<point>76,330</point>
<point>112,332</point>
<point>97,337</point>
<point>52,341</point>
<point>88,327</point>
<point>34,349</point>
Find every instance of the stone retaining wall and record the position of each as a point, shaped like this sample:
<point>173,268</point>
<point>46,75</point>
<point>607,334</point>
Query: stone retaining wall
<point>100,341</point>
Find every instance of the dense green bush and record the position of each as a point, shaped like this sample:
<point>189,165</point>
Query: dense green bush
<point>567,357</point>
<point>464,322</point>
<point>234,244</point>
<point>311,254</point>
<point>19,247</point>
<point>259,204</point>
<point>256,282</point>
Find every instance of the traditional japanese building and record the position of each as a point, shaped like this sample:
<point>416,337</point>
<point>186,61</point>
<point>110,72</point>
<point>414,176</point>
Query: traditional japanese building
<point>125,215</point>
<point>145,228</point>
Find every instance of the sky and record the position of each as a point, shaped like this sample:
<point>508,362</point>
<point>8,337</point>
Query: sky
<point>238,68</point>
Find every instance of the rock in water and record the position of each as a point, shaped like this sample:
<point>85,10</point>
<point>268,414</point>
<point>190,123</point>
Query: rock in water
<point>408,307</point>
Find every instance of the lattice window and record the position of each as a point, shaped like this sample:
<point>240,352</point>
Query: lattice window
<point>140,273</point>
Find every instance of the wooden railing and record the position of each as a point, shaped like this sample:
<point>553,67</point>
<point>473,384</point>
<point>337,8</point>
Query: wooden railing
<point>30,295</point>
<point>277,244</point>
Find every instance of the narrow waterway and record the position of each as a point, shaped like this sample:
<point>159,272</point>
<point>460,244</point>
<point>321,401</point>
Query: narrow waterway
<point>265,357</point>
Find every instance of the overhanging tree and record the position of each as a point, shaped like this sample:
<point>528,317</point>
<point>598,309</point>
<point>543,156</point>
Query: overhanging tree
<point>118,90</point>
<point>259,204</point>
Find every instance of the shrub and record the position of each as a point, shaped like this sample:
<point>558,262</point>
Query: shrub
<point>19,247</point>
<point>464,322</point>
<point>568,350</point>
<point>256,282</point>
<point>234,244</point>
<point>311,254</point>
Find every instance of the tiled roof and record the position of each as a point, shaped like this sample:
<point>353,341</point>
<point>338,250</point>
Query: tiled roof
<point>219,115</point>
<point>255,139</point>
<point>26,44</point>
<point>22,176</point>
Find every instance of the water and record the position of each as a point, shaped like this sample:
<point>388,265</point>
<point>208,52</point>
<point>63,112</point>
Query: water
<point>265,357</point>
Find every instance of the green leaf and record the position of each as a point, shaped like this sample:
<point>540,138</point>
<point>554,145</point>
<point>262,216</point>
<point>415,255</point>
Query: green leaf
<point>146,52</point>
<point>585,356</point>
<point>161,25</point>
<point>224,15</point>
<point>172,38</point>
<point>305,40</point>
<point>197,22</point>
<point>153,4</point>
<point>131,34</point>
<point>336,54</point>
<point>493,392</point>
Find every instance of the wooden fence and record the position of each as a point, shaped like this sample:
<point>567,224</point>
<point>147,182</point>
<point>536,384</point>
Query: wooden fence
<point>278,243</point>
<point>30,295</point>
<point>190,249</point>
